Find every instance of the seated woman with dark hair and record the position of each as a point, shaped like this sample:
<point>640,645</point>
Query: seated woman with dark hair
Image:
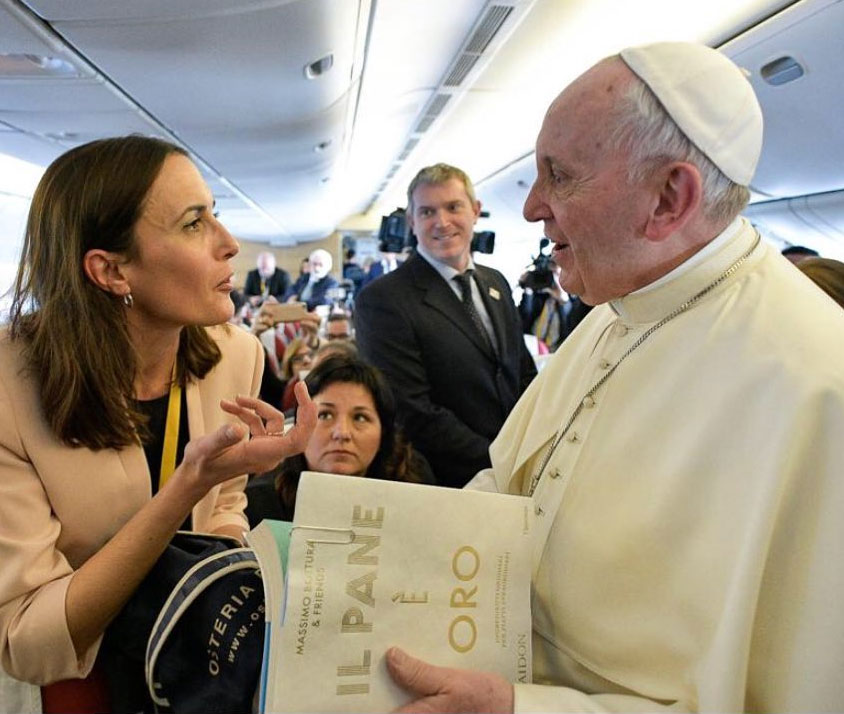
<point>355,435</point>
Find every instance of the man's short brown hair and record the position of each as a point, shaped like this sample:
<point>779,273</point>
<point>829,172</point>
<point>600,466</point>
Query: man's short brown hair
<point>439,174</point>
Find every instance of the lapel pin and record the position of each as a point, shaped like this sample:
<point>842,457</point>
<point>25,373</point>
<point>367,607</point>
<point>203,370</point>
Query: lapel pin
<point>494,294</point>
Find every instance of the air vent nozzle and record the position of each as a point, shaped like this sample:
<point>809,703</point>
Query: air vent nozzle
<point>782,71</point>
<point>319,67</point>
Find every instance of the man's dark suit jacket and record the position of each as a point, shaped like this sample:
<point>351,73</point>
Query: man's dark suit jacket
<point>278,284</point>
<point>453,392</point>
<point>319,293</point>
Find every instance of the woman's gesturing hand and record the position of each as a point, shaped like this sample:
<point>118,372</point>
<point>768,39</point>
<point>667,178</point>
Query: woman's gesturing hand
<point>224,453</point>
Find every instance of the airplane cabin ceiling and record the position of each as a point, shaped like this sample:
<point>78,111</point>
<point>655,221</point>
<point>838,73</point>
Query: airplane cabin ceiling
<point>802,151</point>
<point>227,81</point>
<point>289,158</point>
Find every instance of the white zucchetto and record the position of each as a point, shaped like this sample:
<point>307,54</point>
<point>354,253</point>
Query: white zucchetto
<point>708,97</point>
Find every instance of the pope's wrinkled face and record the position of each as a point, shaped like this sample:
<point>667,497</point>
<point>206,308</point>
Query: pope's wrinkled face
<point>591,212</point>
<point>180,272</point>
<point>348,431</point>
<point>443,219</point>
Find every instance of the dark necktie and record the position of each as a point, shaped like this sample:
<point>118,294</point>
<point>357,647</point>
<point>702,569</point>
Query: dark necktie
<point>464,281</point>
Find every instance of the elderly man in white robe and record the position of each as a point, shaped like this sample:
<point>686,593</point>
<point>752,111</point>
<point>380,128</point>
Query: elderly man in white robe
<point>685,446</point>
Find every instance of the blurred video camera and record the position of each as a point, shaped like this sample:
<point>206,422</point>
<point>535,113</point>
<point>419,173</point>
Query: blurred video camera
<point>394,235</point>
<point>540,273</point>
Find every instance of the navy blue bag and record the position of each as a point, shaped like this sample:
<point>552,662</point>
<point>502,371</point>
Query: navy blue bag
<point>195,627</point>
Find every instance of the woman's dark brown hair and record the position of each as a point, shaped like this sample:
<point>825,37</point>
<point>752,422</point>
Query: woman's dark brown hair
<point>75,336</point>
<point>395,460</point>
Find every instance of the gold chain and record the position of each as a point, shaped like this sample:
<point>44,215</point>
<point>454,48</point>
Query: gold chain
<point>534,482</point>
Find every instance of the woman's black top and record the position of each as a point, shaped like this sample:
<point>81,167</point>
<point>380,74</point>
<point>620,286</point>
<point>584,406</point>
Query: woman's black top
<point>156,411</point>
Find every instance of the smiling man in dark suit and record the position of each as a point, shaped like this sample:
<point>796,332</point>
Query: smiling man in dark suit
<point>445,332</point>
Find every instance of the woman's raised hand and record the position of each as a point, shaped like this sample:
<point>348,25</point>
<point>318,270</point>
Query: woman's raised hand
<point>224,453</point>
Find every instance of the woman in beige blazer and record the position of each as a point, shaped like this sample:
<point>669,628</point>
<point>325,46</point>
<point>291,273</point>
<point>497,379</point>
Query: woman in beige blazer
<point>125,270</point>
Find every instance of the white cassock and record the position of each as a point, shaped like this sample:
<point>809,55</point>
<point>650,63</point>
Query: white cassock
<point>695,510</point>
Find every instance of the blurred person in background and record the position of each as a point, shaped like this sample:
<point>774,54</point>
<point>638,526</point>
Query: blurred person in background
<point>266,279</point>
<point>798,253</point>
<point>352,271</point>
<point>313,288</point>
<point>547,312</point>
<point>346,348</point>
<point>275,334</point>
<point>338,326</point>
<point>297,359</point>
<point>385,265</point>
<point>827,274</point>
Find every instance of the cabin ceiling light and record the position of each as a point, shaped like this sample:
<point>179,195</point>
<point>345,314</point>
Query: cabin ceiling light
<point>24,65</point>
<point>62,135</point>
<point>320,66</point>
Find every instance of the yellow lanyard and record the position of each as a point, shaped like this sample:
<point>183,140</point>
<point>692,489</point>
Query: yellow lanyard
<point>543,322</point>
<point>171,433</point>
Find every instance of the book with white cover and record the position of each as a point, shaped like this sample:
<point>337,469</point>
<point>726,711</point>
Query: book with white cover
<point>442,573</point>
<point>270,540</point>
